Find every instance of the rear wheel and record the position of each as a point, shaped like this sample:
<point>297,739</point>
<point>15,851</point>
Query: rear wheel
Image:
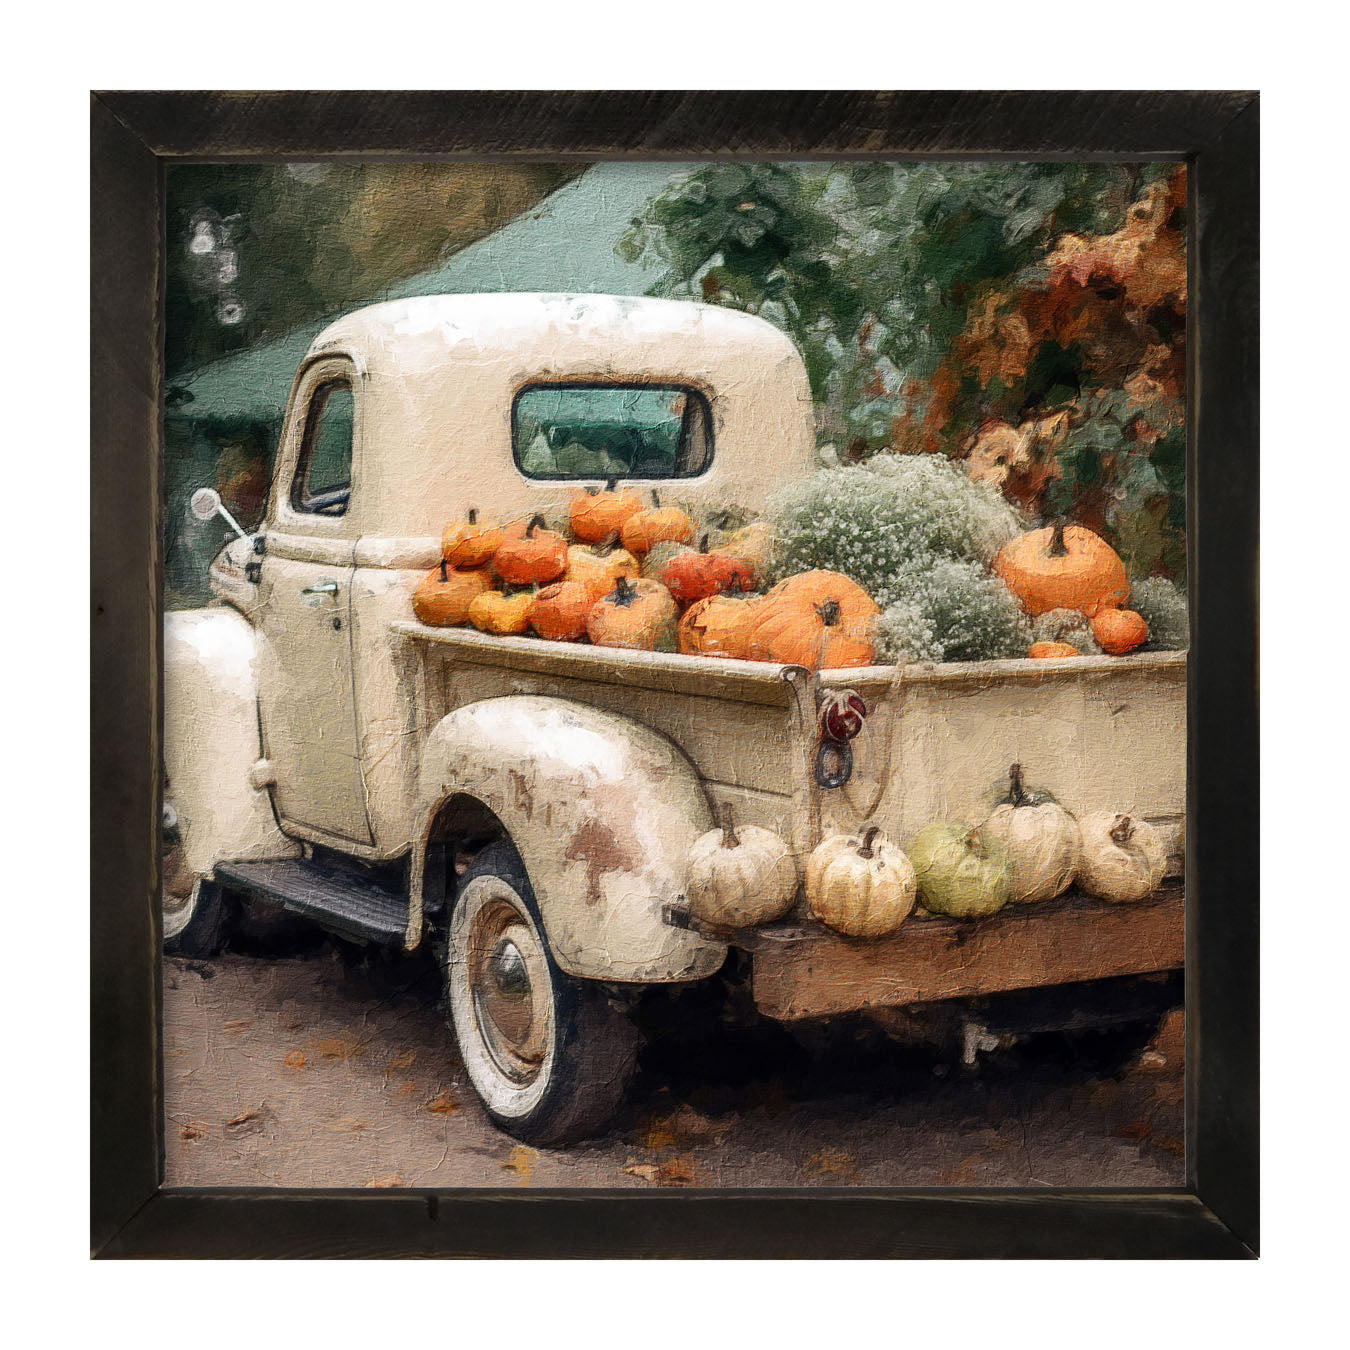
<point>549,1056</point>
<point>192,909</point>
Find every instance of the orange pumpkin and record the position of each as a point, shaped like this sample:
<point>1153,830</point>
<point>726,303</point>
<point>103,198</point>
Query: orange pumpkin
<point>1118,631</point>
<point>1051,651</point>
<point>470,543</point>
<point>444,595</point>
<point>559,611</point>
<point>531,555</point>
<point>596,515</point>
<point>496,612</point>
<point>695,574</point>
<point>1062,567</point>
<point>636,614</point>
<point>600,567</point>
<point>656,525</point>
<point>820,620</point>
<point>717,626</point>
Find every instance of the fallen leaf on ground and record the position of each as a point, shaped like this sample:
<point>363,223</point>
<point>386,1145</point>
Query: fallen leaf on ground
<point>247,1122</point>
<point>297,1059</point>
<point>521,1161</point>
<point>403,1061</point>
<point>383,1183</point>
<point>352,1124</point>
<point>1134,1129</point>
<point>678,1171</point>
<point>405,1089</point>
<point>963,1174</point>
<point>237,1023</point>
<point>193,1131</point>
<point>332,1048</point>
<point>444,1103</point>
<point>832,1162</point>
<point>1171,1143</point>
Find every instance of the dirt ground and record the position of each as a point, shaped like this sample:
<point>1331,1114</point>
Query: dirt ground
<point>323,1067</point>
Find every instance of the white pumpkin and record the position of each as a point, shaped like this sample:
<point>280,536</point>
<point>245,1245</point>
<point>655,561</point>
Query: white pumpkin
<point>861,886</point>
<point>1123,858</point>
<point>1041,839</point>
<point>739,877</point>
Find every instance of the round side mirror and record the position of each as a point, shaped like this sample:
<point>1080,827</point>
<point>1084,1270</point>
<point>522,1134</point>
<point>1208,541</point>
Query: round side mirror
<point>205,503</point>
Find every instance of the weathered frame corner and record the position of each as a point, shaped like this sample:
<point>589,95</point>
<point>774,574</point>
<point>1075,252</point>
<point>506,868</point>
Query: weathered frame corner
<point>133,137</point>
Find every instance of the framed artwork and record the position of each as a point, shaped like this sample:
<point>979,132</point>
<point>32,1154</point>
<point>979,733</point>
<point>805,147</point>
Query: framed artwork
<point>674,675</point>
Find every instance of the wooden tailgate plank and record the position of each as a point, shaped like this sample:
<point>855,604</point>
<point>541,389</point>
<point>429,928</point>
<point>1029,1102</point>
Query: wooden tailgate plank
<point>813,973</point>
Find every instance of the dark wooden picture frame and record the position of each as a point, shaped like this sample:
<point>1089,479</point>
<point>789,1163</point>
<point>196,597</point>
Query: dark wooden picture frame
<point>135,135</point>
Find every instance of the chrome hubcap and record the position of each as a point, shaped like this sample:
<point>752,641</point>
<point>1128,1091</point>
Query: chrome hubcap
<point>508,979</point>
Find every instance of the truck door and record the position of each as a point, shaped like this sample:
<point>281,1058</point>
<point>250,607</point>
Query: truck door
<point>307,703</point>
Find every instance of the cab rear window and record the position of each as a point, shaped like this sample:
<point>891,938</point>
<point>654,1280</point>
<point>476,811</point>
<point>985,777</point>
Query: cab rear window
<point>592,431</point>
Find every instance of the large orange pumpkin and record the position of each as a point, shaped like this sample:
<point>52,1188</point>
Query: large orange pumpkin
<point>717,626</point>
<point>656,525</point>
<point>695,574</point>
<point>1119,630</point>
<point>495,612</point>
<point>596,515</point>
<point>1052,651</point>
<point>559,611</point>
<point>471,542</point>
<point>1063,567</point>
<point>444,595</point>
<point>531,554</point>
<point>635,614</point>
<point>600,567</point>
<point>820,620</point>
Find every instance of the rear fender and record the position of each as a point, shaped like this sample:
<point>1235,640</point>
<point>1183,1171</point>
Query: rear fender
<point>211,740</point>
<point>602,810</point>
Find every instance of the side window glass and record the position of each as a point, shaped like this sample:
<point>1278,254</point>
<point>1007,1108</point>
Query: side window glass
<point>324,476</point>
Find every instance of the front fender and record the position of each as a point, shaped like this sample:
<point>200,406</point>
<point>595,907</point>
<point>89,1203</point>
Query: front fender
<point>602,810</point>
<point>211,740</point>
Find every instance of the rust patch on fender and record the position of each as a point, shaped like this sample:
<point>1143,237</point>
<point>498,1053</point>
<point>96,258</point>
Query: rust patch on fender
<point>596,845</point>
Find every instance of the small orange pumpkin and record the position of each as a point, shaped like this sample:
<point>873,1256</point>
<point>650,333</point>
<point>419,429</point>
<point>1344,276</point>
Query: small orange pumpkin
<point>656,525</point>
<point>1051,651</point>
<point>531,555</point>
<point>639,615</point>
<point>497,612</point>
<point>1062,567</point>
<point>1118,631</point>
<point>596,515</point>
<point>443,596</point>
<point>470,543</point>
<point>601,566</point>
<point>695,574</point>
<point>559,611</point>
<point>820,620</point>
<point>718,626</point>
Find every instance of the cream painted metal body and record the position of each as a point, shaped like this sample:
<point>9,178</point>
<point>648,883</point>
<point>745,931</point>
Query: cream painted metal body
<point>311,693</point>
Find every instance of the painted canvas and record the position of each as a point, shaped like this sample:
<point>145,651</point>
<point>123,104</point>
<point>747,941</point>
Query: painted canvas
<point>675,674</point>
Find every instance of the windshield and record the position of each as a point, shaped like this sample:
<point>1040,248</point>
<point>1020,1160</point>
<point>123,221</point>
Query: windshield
<point>611,431</point>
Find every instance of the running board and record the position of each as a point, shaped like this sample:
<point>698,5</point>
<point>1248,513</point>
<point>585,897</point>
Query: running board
<point>337,898</point>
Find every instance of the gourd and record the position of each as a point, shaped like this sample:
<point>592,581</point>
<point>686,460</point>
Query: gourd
<point>639,615</point>
<point>559,612</point>
<point>1040,838</point>
<point>1052,651</point>
<point>471,542</point>
<point>496,612</point>
<point>599,567</point>
<point>1123,858</point>
<point>717,626</point>
<point>861,886</point>
<point>1062,567</point>
<point>817,619</point>
<point>695,574</point>
<point>1070,627</point>
<point>657,524</point>
<point>961,874</point>
<point>1119,630</point>
<point>740,876</point>
<point>443,596</point>
<point>596,515</point>
<point>531,555</point>
<point>752,544</point>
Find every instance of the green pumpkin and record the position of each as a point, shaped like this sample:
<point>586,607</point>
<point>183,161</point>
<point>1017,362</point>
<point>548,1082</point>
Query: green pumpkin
<point>961,874</point>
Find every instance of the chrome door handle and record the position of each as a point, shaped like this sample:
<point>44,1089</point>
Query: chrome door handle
<point>323,588</point>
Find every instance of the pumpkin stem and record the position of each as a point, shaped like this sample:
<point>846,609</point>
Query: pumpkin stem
<point>656,501</point>
<point>865,849</point>
<point>1123,831</point>
<point>1057,547</point>
<point>624,592</point>
<point>611,484</point>
<point>607,544</point>
<point>730,839</point>
<point>1016,791</point>
<point>445,576</point>
<point>829,613</point>
<point>473,515</point>
<point>536,522</point>
<point>703,543</point>
<point>974,842</point>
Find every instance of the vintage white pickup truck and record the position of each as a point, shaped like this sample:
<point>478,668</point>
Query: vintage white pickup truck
<point>530,805</point>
